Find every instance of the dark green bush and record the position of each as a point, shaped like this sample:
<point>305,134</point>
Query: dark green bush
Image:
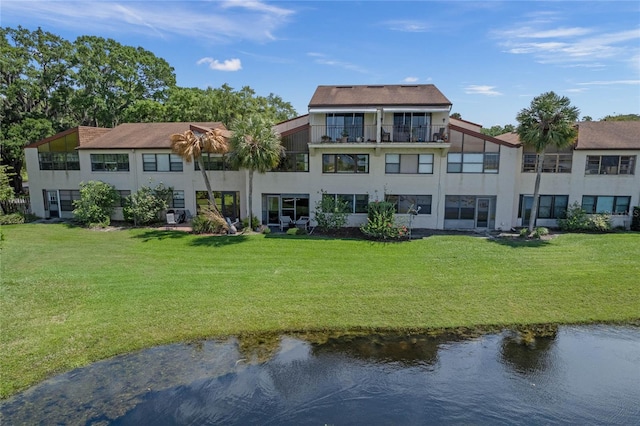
<point>144,206</point>
<point>577,219</point>
<point>381,222</point>
<point>96,204</point>
<point>635,219</point>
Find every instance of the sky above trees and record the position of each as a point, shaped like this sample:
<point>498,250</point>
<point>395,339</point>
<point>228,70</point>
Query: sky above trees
<point>489,58</point>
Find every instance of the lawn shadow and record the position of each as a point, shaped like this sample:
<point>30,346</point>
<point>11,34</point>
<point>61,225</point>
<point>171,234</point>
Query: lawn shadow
<point>161,234</point>
<point>516,243</point>
<point>218,240</point>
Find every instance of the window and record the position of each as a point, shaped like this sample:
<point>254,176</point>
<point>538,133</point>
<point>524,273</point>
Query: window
<point>59,161</point>
<point>549,206</point>
<point>421,203</point>
<point>610,164</point>
<point>215,162</point>
<point>460,162</point>
<point>294,162</point>
<point>460,207</point>
<point>161,163</point>
<point>357,202</point>
<point>412,126</point>
<point>123,194</point>
<point>552,163</point>
<point>226,201</point>
<point>345,163</point>
<point>351,124</point>
<point>110,162</point>
<point>606,204</point>
<point>67,197</point>
<point>177,200</point>
<point>409,163</point>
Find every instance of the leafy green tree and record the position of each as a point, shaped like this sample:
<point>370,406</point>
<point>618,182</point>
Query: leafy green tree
<point>550,120</point>
<point>190,147</point>
<point>111,77</point>
<point>6,191</point>
<point>498,130</point>
<point>145,205</point>
<point>622,117</point>
<point>330,213</point>
<point>96,204</point>
<point>255,146</point>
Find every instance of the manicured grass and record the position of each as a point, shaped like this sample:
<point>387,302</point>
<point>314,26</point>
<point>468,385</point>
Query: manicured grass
<point>71,296</point>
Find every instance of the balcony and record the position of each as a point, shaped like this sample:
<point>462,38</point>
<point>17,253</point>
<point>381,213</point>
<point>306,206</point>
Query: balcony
<point>372,134</point>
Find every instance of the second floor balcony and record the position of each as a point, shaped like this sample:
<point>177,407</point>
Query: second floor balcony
<point>323,134</point>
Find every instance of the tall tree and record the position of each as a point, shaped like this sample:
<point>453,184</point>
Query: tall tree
<point>255,146</point>
<point>550,120</point>
<point>190,146</point>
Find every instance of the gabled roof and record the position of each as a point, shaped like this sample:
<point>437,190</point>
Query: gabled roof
<point>378,96</point>
<point>85,135</point>
<point>480,135</point>
<point>598,135</point>
<point>145,135</point>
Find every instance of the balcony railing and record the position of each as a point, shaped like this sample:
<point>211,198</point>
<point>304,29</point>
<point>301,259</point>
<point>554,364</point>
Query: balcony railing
<point>369,134</point>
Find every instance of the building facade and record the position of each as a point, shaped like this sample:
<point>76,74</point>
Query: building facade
<point>358,144</point>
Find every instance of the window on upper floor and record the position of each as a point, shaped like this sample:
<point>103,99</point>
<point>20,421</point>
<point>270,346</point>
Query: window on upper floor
<point>349,124</point>
<point>345,163</point>
<point>293,162</point>
<point>471,154</point>
<point>110,162</point>
<point>606,204</point>
<point>412,126</point>
<point>408,163</point>
<point>60,153</point>
<point>357,203</point>
<point>161,163</point>
<point>552,163</point>
<point>215,162</point>
<point>610,165</point>
<point>419,203</point>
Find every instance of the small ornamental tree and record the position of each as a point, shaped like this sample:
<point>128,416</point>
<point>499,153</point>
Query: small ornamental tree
<point>145,205</point>
<point>381,222</point>
<point>331,213</point>
<point>96,204</point>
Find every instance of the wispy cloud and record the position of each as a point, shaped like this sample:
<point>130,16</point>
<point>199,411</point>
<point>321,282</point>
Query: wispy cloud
<point>481,90</point>
<point>212,21</point>
<point>568,46</point>
<point>226,65</point>
<point>410,79</point>
<point>407,26</point>
<point>611,83</point>
<point>322,59</point>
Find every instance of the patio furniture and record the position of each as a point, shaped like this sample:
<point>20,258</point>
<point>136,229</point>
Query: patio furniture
<point>439,136</point>
<point>303,222</point>
<point>385,136</point>
<point>171,221</point>
<point>285,221</point>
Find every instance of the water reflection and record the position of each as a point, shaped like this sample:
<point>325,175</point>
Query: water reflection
<point>573,375</point>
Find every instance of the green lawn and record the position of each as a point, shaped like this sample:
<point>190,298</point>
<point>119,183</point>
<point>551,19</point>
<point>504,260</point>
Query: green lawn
<point>70,296</point>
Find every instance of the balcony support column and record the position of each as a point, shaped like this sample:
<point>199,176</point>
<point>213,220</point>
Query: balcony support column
<point>379,125</point>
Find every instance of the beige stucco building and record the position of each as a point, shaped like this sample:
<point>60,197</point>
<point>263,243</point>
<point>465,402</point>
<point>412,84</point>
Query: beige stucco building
<point>358,144</point>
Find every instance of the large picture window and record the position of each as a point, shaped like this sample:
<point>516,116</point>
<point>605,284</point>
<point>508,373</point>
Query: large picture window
<point>227,202</point>
<point>420,203</point>
<point>215,162</point>
<point>460,207</point>
<point>606,204</point>
<point>294,162</point>
<point>161,163</point>
<point>110,162</point>
<point>552,163</point>
<point>357,202</point>
<point>409,163</point>
<point>59,161</point>
<point>345,163</point>
<point>610,164</point>
<point>549,206</point>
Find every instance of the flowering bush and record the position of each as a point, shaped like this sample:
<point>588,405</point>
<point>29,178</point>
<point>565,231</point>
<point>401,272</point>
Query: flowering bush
<point>381,222</point>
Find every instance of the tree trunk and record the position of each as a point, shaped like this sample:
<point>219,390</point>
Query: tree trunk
<point>250,198</point>
<point>212,201</point>
<point>536,193</point>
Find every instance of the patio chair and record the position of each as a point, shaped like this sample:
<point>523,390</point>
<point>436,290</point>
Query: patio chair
<point>439,135</point>
<point>385,136</point>
<point>303,222</point>
<point>171,220</point>
<point>285,221</point>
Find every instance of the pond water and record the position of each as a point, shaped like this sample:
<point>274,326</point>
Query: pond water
<point>577,375</point>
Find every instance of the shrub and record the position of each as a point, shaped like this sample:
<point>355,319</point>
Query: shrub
<point>255,222</point>
<point>635,220</point>
<point>144,206</point>
<point>524,233</point>
<point>331,214</point>
<point>293,231</point>
<point>96,203</point>
<point>540,232</point>
<point>266,230</point>
<point>381,222</point>
<point>208,222</point>
<point>578,220</point>
<point>11,219</point>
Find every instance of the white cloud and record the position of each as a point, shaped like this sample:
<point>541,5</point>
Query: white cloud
<point>211,21</point>
<point>407,26</point>
<point>481,90</point>
<point>611,83</point>
<point>410,79</point>
<point>226,65</point>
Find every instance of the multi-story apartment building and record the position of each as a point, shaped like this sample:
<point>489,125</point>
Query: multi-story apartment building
<point>358,144</point>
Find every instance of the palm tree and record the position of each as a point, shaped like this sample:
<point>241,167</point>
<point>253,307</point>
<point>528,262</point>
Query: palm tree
<point>255,146</point>
<point>190,146</point>
<point>550,120</point>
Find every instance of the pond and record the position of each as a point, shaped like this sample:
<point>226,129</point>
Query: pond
<point>577,375</point>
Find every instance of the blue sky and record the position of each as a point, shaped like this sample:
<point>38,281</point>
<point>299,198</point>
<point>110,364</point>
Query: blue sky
<point>489,58</point>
